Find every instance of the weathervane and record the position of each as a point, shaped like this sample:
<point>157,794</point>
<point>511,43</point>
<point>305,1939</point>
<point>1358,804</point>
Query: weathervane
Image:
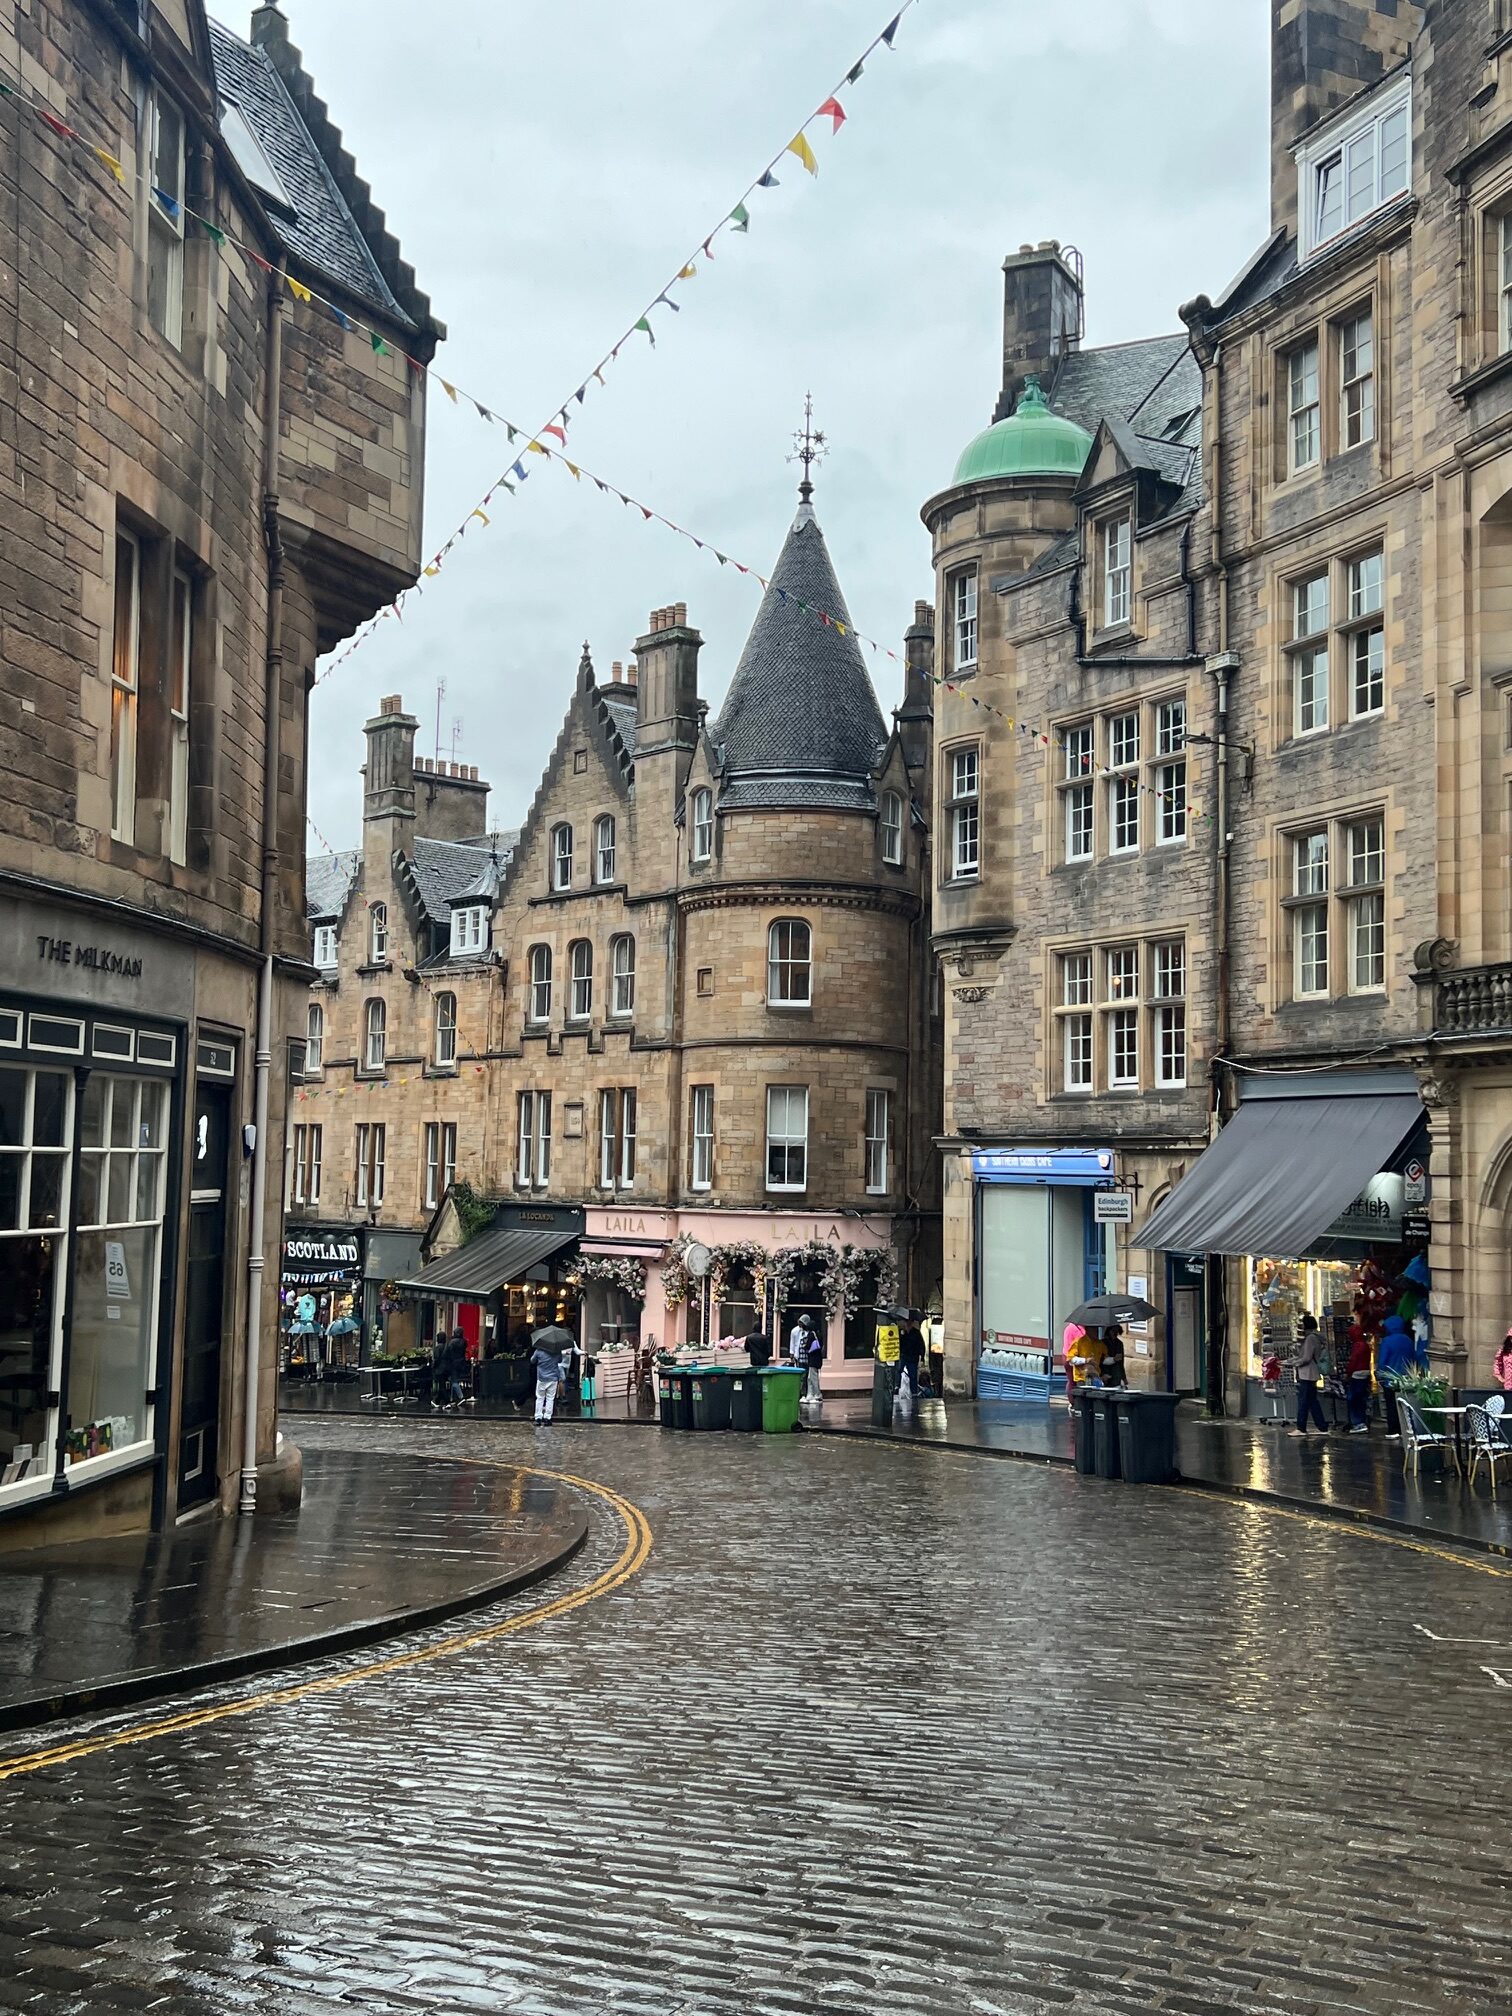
<point>811,447</point>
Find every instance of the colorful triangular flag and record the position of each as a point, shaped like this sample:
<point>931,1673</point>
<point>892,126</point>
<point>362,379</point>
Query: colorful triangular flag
<point>835,110</point>
<point>450,391</point>
<point>297,288</point>
<point>688,273</point>
<point>740,217</point>
<point>169,203</point>
<point>380,348</point>
<point>768,181</point>
<point>560,432</point>
<point>112,164</point>
<point>646,326</point>
<point>852,75</point>
<point>891,29</point>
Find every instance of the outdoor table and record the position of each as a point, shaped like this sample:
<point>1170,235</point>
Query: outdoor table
<point>1456,1419</point>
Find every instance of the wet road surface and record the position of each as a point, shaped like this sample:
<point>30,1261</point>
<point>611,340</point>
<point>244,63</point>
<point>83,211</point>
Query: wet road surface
<point>872,1729</point>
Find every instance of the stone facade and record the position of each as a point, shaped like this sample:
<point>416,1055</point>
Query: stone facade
<point>149,533</point>
<point>658,935</point>
<point>1055,894</point>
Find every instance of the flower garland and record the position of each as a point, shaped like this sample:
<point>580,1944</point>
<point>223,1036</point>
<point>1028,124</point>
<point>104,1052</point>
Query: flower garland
<point>730,1259</point>
<point>676,1281</point>
<point>843,1271</point>
<point>628,1275</point>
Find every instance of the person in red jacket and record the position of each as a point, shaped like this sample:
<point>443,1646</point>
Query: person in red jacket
<point>1357,1380</point>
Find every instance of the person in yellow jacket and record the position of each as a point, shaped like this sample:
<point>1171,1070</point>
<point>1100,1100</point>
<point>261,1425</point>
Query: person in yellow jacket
<point>1085,1357</point>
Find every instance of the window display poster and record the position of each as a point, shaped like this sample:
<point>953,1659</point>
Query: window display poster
<point>117,1280</point>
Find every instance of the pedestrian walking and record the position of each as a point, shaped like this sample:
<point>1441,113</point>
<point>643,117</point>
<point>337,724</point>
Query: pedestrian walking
<point>802,1345</point>
<point>1113,1371</point>
<point>1503,1364</point>
<point>1307,1368</point>
<point>588,1384</point>
<point>546,1356</point>
<point>1357,1380</point>
<point>911,1350</point>
<point>456,1368</point>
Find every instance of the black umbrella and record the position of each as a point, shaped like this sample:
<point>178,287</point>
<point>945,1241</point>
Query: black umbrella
<point>1100,1310</point>
<point>555,1339</point>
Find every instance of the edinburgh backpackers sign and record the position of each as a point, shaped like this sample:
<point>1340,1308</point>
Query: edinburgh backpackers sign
<point>322,1256</point>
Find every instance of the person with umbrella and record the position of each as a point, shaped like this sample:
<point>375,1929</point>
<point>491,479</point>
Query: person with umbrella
<point>551,1346</point>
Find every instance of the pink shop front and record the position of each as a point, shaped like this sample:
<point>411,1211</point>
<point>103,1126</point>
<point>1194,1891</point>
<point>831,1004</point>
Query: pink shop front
<point>765,1267</point>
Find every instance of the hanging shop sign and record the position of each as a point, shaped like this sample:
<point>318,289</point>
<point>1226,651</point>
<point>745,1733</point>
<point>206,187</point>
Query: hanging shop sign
<point>321,1257</point>
<point>1043,1165</point>
<point>1113,1207</point>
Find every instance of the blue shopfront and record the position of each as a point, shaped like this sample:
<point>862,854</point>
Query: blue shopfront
<point>1039,1251</point>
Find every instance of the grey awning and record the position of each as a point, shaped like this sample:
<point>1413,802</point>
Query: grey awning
<point>477,1270</point>
<point>1280,1173</point>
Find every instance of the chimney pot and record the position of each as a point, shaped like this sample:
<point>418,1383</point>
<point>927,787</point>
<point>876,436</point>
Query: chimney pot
<point>924,615</point>
<point>680,613</point>
<point>632,673</point>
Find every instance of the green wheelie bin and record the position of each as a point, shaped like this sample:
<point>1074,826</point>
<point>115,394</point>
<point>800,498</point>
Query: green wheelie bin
<point>781,1386</point>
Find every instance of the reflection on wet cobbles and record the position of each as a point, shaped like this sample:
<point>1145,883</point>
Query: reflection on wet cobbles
<point>875,1729</point>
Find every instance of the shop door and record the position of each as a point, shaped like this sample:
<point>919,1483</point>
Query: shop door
<point>1186,1340</point>
<point>204,1313</point>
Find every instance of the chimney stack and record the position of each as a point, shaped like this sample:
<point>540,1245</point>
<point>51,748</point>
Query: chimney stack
<point>1042,316</point>
<point>1322,53</point>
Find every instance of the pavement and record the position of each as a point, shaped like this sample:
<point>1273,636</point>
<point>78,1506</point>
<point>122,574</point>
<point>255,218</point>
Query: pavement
<point>382,1542</point>
<point>866,1733</point>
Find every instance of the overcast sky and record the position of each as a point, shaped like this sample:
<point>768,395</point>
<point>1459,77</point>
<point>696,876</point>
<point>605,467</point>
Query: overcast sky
<point>545,165</point>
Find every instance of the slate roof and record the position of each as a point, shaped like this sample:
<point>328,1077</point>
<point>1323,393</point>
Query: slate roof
<point>622,705</point>
<point>800,725</point>
<point>328,884</point>
<point>322,234</point>
<point>1150,381</point>
<point>445,870</point>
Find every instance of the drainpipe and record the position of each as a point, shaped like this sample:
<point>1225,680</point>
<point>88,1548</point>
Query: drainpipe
<point>1222,666</point>
<point>272,700</point>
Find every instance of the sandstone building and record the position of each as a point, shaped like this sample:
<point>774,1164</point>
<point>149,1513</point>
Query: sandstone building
<point>687,1001</point>
<point>203,486</point>
<point>1323,591</point>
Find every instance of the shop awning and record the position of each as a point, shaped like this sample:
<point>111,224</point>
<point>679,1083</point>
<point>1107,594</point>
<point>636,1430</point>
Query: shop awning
<point>477,1270</point>
<point>1282,1170</point>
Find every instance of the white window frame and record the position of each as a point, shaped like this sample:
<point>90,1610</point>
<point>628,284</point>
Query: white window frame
<point>325,946</point>
<point>445,1031</point>
<point>617,1117</point>
<point>469,930</point>
<point>788,1140</point>
<point>963,619</point>
<point>965,802</point>
<point>374,1033</point>
<point>1078,790</point>
<point>165,229</point>
<point>790,963</point>
<point>1124,743</point>
<point>1310,881</point>
<point>876,1150</point>
<point>1504,280</point>
<point>125,686</point>
<point>561,857</point>
<point>314,1040</point>
<point>430,1195</point>
<point>1118,570</point>
<point>701,842</point>
<point>1166,962</point>
<point>304,1183</point>
<point>448,1155</point>
<point>1309,654</point>
<point>377,933</point>
<point>1365,901</point>
<point>533,1141</point>
<point>181,658</point>
<point>1349,168</point>
<point>701,1172</point>
<point>603,848</point>
<point>580,980</point>
<point>1357,408</point>
<point>370,1161</point>
<point>1304,411</point>
<point>1122,966</point>
<point>1365,646</point>
<point>538,1000</point>
<point>892,829</point>
<point>622,974</point>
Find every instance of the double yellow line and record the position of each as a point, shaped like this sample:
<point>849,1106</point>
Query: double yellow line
<point>632,1559</point>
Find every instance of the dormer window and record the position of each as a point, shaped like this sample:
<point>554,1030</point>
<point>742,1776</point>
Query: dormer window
<point>1117,537</point>
<point>378,933</point>
<point>603,849</point>
<point>469,930</point>
<point>702,843</point>
<point>1354,165</point>
<point>892,829</point>
<point>325,946</point>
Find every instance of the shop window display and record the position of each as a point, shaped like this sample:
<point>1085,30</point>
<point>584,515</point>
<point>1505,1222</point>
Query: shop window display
<point>122,1169</point>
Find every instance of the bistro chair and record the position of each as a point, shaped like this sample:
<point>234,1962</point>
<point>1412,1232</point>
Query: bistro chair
<point>1496,1407</point>
<point>1418,1436</point>
<point>1487,1443</point>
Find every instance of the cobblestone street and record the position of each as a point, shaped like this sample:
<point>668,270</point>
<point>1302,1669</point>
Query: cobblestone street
<point>875,1729</point>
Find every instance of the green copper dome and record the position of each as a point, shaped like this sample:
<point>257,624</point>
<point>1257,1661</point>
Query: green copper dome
<point>1032,441</point>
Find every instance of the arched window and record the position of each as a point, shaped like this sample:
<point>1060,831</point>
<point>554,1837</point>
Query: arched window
<point>378,932</point>
<point>580,954</point>
<point>314,1039</point>
<point>377,1035</point>
<point>622,970</point>
<point>539,1007</point>
<point>701,826</point>
<point>790,945</point>
<point>561,857</point>
<point>446,1029</point>
<point>603,849</point>
<point>892,829</point>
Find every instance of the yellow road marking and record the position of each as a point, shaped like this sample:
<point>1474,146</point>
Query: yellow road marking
<point>631,1560</point>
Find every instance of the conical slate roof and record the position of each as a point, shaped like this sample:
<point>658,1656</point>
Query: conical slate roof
<point>800,724</point>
